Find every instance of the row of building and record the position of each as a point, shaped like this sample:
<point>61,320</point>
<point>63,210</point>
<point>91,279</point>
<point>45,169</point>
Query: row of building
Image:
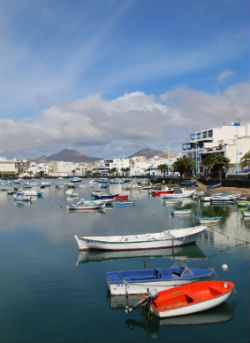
<point>134,166</point>
<point>232,141</point>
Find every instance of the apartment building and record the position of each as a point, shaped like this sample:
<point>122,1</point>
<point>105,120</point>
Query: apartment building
<point>233,141</point>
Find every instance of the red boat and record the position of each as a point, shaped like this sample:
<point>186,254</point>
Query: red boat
<point>165,191</point>
<point>121,197</point>
<point>190,298</point>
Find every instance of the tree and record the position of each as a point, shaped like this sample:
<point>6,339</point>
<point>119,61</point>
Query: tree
<point>163,169</point>
<point>216,162</point>
<point>245,160</point>
<point>112,171</point>
<point>41,174</point>
<point>183,164</point>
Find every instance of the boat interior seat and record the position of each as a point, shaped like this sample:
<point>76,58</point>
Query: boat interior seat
<point>215,290</point>
<point>157,273</point>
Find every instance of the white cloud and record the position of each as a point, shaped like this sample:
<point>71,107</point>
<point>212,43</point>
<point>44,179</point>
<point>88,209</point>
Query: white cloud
<point>132,120</point>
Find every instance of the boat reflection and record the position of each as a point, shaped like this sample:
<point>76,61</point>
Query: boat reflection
<point>152,324</point>
<point>178,253</point>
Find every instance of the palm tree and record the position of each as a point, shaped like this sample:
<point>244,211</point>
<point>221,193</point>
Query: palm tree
<point>245,160</point>
<point>163,169</point>
<point>183,164</point>
<point>216,162</point>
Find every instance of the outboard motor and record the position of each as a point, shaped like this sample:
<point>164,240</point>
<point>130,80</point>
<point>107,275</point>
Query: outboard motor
<point>152,294</point>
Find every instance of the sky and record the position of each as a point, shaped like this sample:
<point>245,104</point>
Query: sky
<point>111,77</point>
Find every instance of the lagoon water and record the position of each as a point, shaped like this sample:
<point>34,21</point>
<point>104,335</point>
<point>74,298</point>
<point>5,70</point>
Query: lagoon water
<point>49,292</point>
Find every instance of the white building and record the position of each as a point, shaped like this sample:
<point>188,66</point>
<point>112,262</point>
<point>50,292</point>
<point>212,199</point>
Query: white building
<point>103,166</point>
<point>233,141</point>
<point>8,167</point>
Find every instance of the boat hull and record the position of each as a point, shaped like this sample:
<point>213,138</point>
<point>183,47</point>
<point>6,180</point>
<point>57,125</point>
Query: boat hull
<point>176,237</point>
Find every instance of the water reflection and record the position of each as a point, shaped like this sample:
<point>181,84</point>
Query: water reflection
<point>178,253</point>
<point>152,325</point>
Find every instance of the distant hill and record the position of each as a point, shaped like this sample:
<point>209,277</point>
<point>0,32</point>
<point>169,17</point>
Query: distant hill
<point>67,155</point>
<point>149,153</point>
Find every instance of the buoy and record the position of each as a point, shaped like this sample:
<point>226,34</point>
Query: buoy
<point>224,267</point>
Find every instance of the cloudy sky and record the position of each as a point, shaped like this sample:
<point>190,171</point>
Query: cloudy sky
<point>110,77</point>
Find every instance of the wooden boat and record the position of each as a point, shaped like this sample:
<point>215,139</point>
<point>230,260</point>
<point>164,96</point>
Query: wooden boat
<point>87,206</point>
<point>246,213</point>
<point>187,299</point>
<point>243,203</point>
<point>125,203</point>
<point>164,239</point>
<point>104,195</point>
<point>138,281</point>
<point>20,196</point>
<point>191,298</point>
<point>180,193</point>
<point>208,220</point>
<point>164,191</point>
<point>224,198</point>
<point>181,212</point>
<point>121,197</point>
<point>214,185</point>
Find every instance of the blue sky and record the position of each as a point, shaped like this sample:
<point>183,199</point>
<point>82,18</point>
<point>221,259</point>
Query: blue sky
<point>109,77</point>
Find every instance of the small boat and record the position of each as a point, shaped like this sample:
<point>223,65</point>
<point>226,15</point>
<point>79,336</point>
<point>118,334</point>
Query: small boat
<point>164,239</point>
<point>20,196</point>
<point>224,198</point>
<point>33,193</point>
<point>164,191</point>
<point>246,213</point>
<point>100,195</point>
<point>120,197</point>
<point>87,206</point>
<point>243,203</point>
<point>214,185</point>
<point>181,212</point>
<point>205,198</point>
<point>180,193</point>
<point>138,281</point>
<point>208,220</point>
<point>187,299</point>
<point>125,203</point>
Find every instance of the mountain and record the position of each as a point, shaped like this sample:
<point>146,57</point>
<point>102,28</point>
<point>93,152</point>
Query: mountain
<point>149,153</point>
<point>67,155</point>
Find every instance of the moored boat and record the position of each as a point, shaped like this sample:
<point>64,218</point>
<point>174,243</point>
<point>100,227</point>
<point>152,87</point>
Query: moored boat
<point>166,190</point>
<point>120,197</point>
<point>181,212</point>
<point>138,281</point>
<point>187,299</point>
<point>87,206</point>
<point>125,203</point>
<point>180,193</point>
<point>164,239</point>
<point>208,220</point>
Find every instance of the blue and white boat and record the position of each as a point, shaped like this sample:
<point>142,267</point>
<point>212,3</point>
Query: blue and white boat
<point>224,198</point>
<point>100,195</point>
<point>138,281</point>
<point>125,203</point>
<point>214,185</point>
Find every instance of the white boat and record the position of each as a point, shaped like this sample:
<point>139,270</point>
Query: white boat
<point>33,193</point>
<point>20,196</point>
<point>224,198</point>
<point>180,193</point>
<point>205,198</point>
<point>87,206</point>
<point>246,213</point>
<point>208,220</point>
<point>164,239</point>
<point>139,281</point>
<point>181,212</point>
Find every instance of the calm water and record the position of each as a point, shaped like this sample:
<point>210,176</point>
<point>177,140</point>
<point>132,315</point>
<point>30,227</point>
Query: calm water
<point>51,293</point>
